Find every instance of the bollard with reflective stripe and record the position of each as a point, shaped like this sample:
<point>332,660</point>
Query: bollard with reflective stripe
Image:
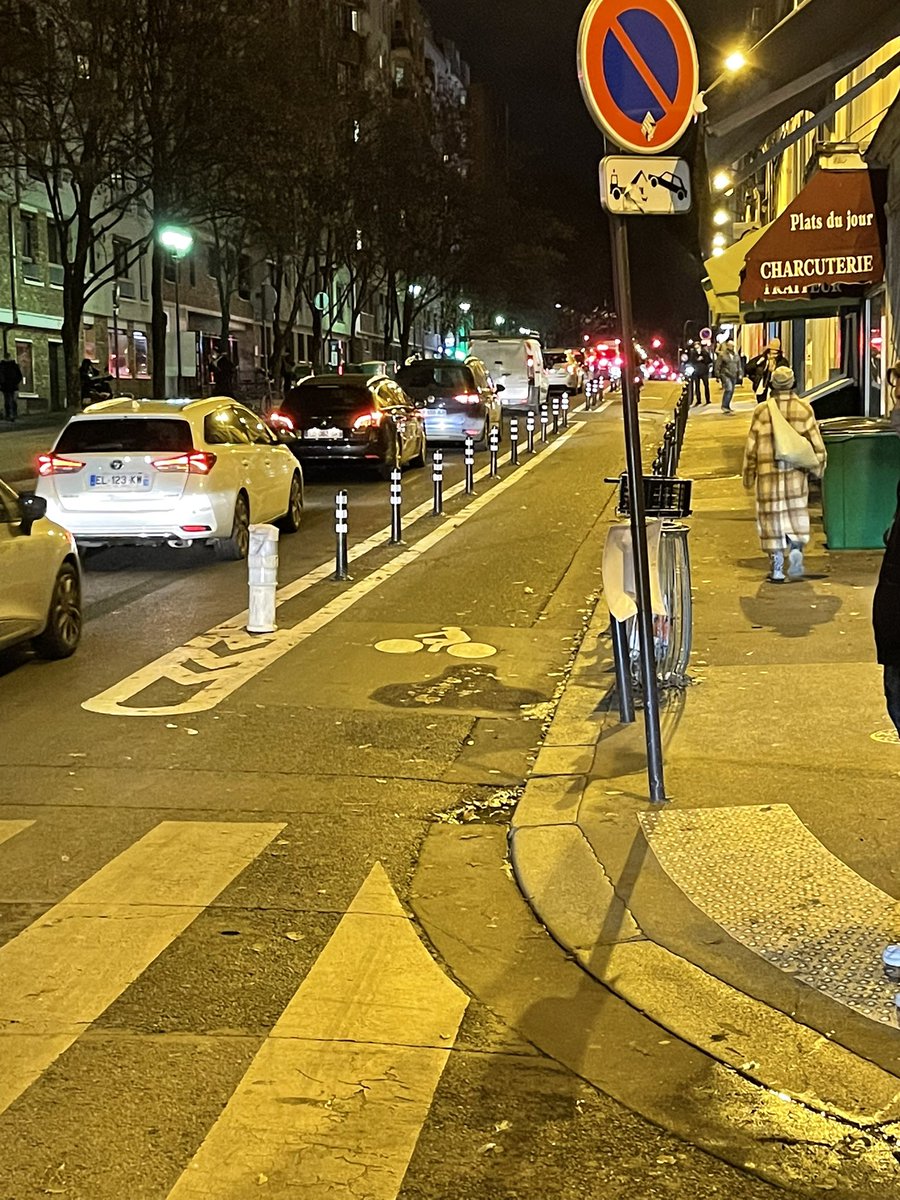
<point>514,442</point>
<point>494,444</point>
<point>529,429</point>
<point>396,507</point>
<point>437,475</point>
<point>469,457</point>
<point>564,404</point>
<point>556,414</point>
<point>545,420</point>
<point>341,528</point>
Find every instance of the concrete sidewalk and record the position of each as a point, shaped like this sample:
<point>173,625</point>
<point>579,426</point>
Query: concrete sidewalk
<point>746,916</point>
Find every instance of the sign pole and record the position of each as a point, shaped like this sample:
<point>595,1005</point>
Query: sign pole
<point>634,467</point>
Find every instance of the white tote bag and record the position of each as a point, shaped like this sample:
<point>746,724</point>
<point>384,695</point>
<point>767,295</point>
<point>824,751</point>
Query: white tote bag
<point>791,447</point>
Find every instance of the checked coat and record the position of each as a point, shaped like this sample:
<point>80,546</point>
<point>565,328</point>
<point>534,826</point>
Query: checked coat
<point>782,492</point>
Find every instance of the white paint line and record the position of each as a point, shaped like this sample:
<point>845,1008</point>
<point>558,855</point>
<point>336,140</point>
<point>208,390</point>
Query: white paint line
<point>67,967</point>
<point>213,665</point>
<point>9,829</point>
<point>333,1103</point>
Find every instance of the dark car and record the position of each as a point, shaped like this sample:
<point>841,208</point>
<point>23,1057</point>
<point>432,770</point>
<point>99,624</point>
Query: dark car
<point>459,399</point>
<point>365,419</point>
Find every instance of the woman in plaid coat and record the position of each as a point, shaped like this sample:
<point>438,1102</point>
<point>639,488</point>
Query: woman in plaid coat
<point>782,492</point>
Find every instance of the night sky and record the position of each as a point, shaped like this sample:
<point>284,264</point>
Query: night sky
<point>525,51</point>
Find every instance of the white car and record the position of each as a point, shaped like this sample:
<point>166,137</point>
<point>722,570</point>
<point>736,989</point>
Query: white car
<point>563,372</point>
<point>175,472</point>
<point>40,578</point>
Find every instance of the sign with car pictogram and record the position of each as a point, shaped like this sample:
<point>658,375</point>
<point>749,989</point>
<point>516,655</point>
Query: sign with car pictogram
<point>638,70</point>
<point>656,187</point>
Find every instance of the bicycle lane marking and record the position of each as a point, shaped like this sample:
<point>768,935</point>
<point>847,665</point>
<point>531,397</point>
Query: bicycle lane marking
<point>214,677</point>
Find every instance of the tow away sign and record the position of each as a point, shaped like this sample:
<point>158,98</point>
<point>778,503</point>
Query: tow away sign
<point>655,187</point>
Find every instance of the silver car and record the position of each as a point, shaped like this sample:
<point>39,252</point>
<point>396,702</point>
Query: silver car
<point>40,578</point>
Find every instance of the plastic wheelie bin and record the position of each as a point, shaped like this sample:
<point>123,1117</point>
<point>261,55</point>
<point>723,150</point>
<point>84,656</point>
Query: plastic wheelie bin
<point>859,488</point>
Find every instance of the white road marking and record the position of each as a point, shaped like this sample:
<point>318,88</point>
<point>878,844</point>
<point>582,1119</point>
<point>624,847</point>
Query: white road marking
<point>9,829</point>
<point>333,1103</point>
<point>215,664</point>
<point>67,967</point>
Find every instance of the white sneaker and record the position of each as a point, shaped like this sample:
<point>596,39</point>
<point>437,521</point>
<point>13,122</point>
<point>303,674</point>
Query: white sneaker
<point>795,563</point>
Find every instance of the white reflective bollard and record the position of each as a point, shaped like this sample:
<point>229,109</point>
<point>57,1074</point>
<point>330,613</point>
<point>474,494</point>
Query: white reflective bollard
<point>262,567</point>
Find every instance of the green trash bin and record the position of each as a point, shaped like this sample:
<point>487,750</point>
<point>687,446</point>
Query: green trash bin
<point>859,489</point>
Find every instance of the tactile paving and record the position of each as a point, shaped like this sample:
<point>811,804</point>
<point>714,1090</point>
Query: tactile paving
<point>761,875</point>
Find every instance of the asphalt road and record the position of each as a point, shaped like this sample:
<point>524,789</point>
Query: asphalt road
<point>208,985</point>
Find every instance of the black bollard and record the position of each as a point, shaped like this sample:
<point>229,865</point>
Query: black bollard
<point>545,421</point>
<point>529,429</point>
<point>341,526</point>
<point>437,475</point>
<point>469,457</point>
<point>514,442</point>
<point>494,444</point>
<point>396,507</point>
<point>565,410</point>
<point>555,415</point>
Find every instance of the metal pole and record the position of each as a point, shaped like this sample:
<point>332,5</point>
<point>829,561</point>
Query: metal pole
<point>341,527</point>
<point>469,457</point>
<point>514,442</point>
<point>621,660</point>
<point>396,507</point>
<point>177,262</point>
<point>545,421</point>
<point>622,286</point>
<point>555,415</point>
<point>494,443</point>
<point>437,475</point>
<point>565,410</point>
<point>529,429</point>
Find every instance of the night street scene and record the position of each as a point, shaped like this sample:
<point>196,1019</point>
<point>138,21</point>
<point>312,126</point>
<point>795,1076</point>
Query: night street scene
<point>449,599</point>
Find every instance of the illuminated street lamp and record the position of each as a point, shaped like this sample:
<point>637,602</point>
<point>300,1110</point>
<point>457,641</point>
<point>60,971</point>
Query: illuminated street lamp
<point>718,251</point>
<point>719,239</point>
<point>465,307</point>
<point>498,321</point>
<point>178,242</point>
<point>722,181</point>
<point>721,217</point>
<point>736,61</point>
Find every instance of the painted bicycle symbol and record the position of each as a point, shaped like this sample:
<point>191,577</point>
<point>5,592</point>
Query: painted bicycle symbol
<point>454,640</point>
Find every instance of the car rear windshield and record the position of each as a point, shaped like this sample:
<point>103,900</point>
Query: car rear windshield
<point>131,435</point>
<point>507,358</point>
<point>450,376</point>
<point>551,360</point>
<point>326,399</point>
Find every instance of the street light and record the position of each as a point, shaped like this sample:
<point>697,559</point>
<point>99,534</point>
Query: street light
<point>736,61</point>
<point>721,217</point>
<point>719,239</point>
<point>178,242</point>
<point>722,181</point>
<point>498,321</point>
<point>465,307</point>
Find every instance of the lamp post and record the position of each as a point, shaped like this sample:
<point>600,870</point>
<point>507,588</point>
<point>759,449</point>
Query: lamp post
<point>178,242</point>
<point>465,308</point>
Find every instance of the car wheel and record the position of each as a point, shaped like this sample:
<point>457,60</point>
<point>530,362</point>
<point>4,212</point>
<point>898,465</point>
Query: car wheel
<point>419,460</point>
<point>237,546</point>
<point>482,442</point>
<point>64,620</point>
<point>393,461</point>
<point>290,522</point>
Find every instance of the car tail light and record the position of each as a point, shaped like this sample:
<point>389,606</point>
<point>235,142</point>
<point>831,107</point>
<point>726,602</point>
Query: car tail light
<point>281,420</point>
<point>196,462</point>
<point>196,528</point>
<point>369,420</point>
<point>57,464</point>
<point>467,398</point>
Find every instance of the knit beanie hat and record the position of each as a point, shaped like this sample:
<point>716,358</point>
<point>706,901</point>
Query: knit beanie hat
<point>782,379</point>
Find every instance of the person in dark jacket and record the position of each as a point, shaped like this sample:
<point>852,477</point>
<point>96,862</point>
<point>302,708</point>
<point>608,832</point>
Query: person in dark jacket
<point>10,380</point>
<point>700,361</point>
<point>886,606</point>
<point>759,369</point>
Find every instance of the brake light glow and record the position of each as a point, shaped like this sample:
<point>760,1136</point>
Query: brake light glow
<point>369,420</point>
<point>196,528</point>
<point>467,398</point>
<point>196,462</point>
<point>280,419</point>
<point>57,464</point>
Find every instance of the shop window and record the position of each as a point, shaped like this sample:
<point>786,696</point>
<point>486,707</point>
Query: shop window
<point>119,366</point>
<point>25,359</point>
<point>141,355</point>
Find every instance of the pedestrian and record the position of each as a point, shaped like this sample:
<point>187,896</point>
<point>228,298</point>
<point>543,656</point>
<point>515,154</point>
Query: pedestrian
<point>886,605</point>
<point>729,371</point>
<point>700,361</point>
<point>10,381</point>
<point>224,369</point>
<point>782,491</point>
<point>759,369</point>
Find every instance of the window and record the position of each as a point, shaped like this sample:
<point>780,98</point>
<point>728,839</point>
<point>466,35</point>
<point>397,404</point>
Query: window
<point>170,268</point>
<point>133,435</point>
<point>244,286</point>
<point>142,277</point>
<point>221,428</point>
<point>120,247</point>
<point>212,262</point>
<point>192,271</point>
<point>119,365</point>
<point>25,359</point>
<point>141,355</point>
<point>56,239</point>
<point>28,240</point>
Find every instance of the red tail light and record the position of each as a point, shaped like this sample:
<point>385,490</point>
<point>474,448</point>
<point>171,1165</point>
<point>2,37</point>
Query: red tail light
<point>369,420</point>
<point>196,462</point>
<point>281,420</point>
<point>467,398</point>
<point>57,464</point>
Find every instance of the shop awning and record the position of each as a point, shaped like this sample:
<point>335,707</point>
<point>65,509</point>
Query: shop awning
<point>792,70</point>
<point>828,244</point>
<point>723,279</point>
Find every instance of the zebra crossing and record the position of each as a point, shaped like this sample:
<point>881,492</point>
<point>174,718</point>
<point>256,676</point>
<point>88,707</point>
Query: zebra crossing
<point>342,1083</point>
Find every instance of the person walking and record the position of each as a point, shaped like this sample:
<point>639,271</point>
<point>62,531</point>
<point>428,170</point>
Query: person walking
<point>782,491</point>
<point>759,369</point>
<point>886,605</point>
<point>729,371</point>
<point>700,361</point>
<point>10,381</point>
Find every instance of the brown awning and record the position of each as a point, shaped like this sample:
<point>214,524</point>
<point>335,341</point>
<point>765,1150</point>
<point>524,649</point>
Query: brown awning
<point>829,242</point>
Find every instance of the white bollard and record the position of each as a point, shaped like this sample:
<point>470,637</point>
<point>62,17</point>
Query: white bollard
<point>262,567</point>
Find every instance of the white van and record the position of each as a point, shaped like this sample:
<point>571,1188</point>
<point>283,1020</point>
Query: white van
<point>515,362</point>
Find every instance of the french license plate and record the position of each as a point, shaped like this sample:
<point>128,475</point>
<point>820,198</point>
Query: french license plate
<point>123,480</point>
<point>327,435</point>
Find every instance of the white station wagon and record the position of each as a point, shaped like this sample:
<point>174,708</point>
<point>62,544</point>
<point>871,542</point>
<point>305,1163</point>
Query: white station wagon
<point>175,472</point>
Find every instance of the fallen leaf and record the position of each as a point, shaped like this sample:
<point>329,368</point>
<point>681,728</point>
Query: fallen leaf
<point>293,936</point>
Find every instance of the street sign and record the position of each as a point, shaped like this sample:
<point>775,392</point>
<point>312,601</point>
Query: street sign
<point>320,300</point>
<point>638,70</point>
<point>655,187</point>
<point>706,334</point>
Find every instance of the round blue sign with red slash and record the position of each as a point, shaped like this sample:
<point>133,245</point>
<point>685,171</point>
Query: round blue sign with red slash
<point>638,70</point>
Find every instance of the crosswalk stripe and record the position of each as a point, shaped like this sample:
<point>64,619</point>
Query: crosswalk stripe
<point>9,829</point>
<point>66,968</point>
<point>333,1103</point>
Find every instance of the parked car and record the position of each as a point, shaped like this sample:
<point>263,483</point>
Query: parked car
<point>517,363</point>
<point>365,419</point>
<point>175,472</point>
<point>564,373</point>
<point>458,399</point>
<point>40,578</point>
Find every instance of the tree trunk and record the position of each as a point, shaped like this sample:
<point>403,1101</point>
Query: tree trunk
<point>73,310</point>
<point>158,321</point>
<point>406,320</point>
<point>318,340</point>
